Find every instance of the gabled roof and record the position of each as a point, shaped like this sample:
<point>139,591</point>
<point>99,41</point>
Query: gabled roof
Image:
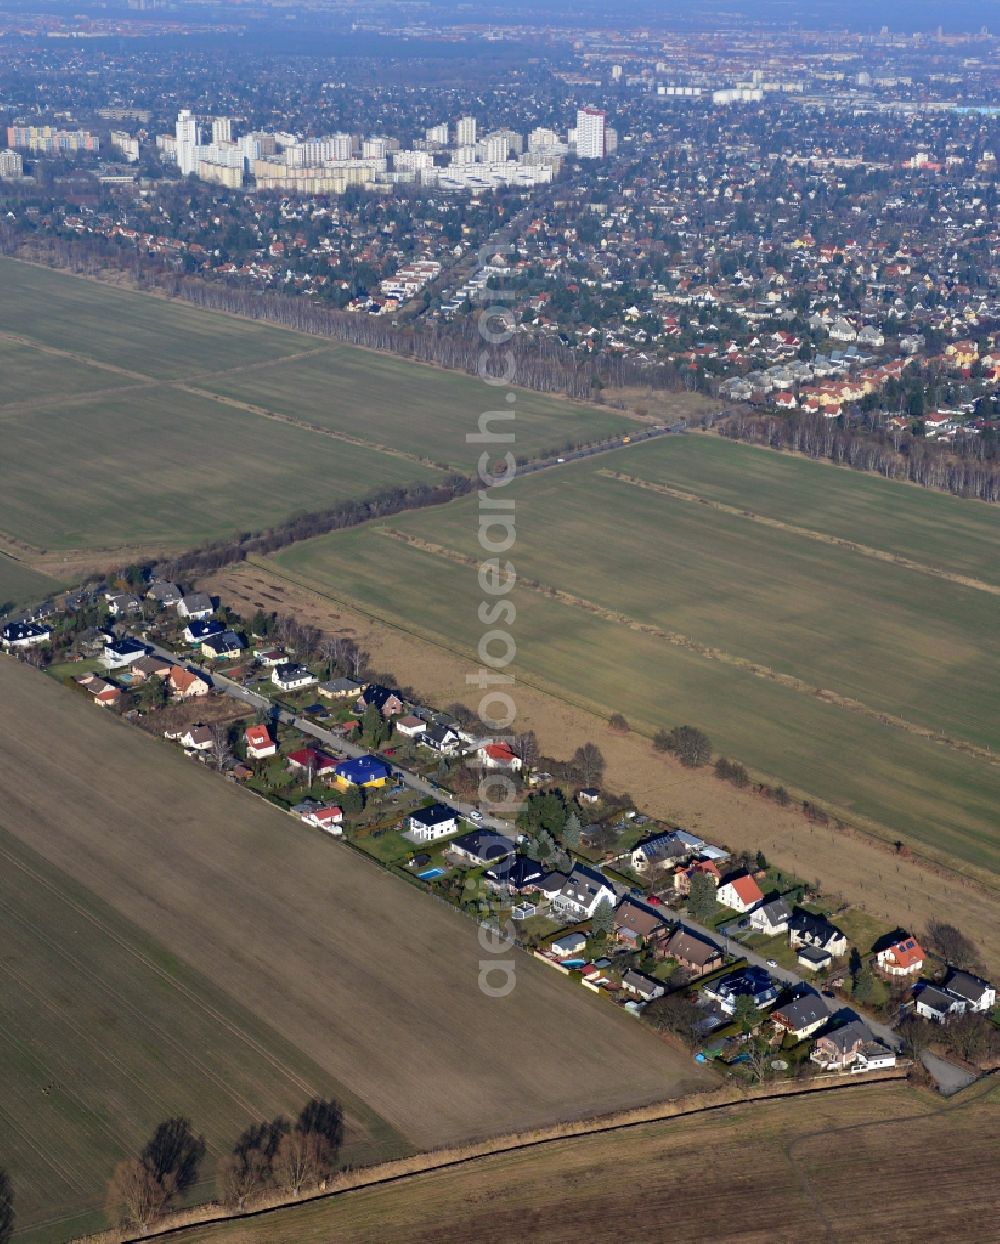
<point>259,736</point>
<point>747,890</point>
<point>906,953</point>
<point>967,986</point>
<point>802,1012</point>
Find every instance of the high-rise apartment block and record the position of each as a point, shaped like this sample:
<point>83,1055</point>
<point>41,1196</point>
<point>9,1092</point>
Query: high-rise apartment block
<point>465,132</point>
<point>590,124</point>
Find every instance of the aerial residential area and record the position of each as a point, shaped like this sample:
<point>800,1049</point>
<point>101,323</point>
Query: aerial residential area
<point>498,527</point>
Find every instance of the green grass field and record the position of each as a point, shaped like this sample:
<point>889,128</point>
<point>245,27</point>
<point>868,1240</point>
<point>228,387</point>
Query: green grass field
<point>159,466</point>
<point>892,639</point>
<point>105,1034</point>
<point>19,584</point>
<point>930,527</point>
<point>392,402</point>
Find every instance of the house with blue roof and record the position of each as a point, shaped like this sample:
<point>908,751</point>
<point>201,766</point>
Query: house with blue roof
<point>362,771</point>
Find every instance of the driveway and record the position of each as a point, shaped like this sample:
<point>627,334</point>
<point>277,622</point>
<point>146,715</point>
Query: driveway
<point>947,1076</point>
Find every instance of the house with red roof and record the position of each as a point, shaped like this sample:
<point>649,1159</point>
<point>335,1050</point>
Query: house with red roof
<point>259,743</point>
<point>309,758</point>
<point>904,957</point>
<point>499,756</point>
<point>740,893</point>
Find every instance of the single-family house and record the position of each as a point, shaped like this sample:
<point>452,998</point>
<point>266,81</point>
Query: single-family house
<point>751,982</point>
<point>268,658</point>
<point>516,874</point>
<point>771,918</point>
<point>121,652</point>
<point>903,957</point>
<point>817,933</point>
<point>326,816</point>
<point>874,1056</point>
<point>481,846</point>
<point>339,688</point>
<point>636,925</point>
<point>24,635</point>
<point>498,756</point>
<point>802,1016</point>
<point>588,794</point>
<point>367,771</point>
<point>292,677</point>
<point>741,893</point>
<point>568,944</point>
<point>684,876</point>
<point>196,739</point>
<point>644,987</point>
<point>310,760</point>
<point>166,595</point>
<point>200,629</point>
<point>442,739</point>
<point>150,667</point>
<point>840,1048</point>
<point>387,701</point>
<point>584,891</point>
<point>122,603</point>
<point>106,694</point>
<point>659,849</point>
<point>259,743</point>
<point>222,647</point>
<point>196,606</point>
<point>185,684</point>
<point>410,727</point>
<point>938,1005</point>
<point>429,824</point>
<point>693,952</point>
<point>979,995</point>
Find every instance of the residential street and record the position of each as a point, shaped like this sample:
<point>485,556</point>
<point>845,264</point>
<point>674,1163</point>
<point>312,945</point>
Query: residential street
<point>340,746</point>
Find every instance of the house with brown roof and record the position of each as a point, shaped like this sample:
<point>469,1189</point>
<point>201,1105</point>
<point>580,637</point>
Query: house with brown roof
<point>692,951</point>
<point>636,925</point>
<point>185,684</point>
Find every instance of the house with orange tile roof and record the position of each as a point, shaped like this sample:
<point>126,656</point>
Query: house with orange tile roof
<point>740,893</point>
<point>904,957</point>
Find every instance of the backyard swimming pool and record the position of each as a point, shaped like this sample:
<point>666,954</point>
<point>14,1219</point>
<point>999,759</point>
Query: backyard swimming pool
<point>430,873</point>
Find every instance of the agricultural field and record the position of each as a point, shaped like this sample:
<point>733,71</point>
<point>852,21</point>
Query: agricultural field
<point>822,1160</point>
<point>398,403</point>
<point>20,584</point>
<point>157,426</point>
<point>864,682</point>
<point>174,945</point>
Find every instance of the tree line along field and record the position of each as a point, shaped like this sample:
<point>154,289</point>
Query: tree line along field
<point>154,423</point>
<point>174,945</point>
<point>881,1161</point>
<point>672,611</point>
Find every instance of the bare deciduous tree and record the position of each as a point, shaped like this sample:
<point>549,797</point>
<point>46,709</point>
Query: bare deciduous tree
<point>241,1175</point>
<point>222,751</point>
<point>302,1158</point>
<point>136,1198</point>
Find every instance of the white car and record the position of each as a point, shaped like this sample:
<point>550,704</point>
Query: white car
<point>475,815</point>
<point>772,963</point>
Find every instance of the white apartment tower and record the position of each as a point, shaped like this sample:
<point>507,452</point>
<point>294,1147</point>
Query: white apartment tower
<point>187,142</point>
<point>222,130</point>
<point>437,134</point>
<point>465,132</point>
<point>590,134</point>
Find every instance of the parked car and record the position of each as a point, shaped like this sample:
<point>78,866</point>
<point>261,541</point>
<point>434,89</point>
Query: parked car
<point>475,815</point>
<point>772,963</point>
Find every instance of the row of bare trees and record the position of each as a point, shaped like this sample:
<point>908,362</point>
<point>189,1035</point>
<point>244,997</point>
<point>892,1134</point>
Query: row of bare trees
<point>543,363</point>
<point>965,468</point>
<point>280,1155</point>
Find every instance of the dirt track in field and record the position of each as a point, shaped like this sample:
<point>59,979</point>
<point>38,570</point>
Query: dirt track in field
<point>374,980</point>
<point>851,864</point>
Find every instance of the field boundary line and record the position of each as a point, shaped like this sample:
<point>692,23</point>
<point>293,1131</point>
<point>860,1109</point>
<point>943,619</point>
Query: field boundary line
<point>808,533</point>
<point>709,652</point>
<point>21,340</point>
<point>262,412</point>
<point>432,1161</point>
